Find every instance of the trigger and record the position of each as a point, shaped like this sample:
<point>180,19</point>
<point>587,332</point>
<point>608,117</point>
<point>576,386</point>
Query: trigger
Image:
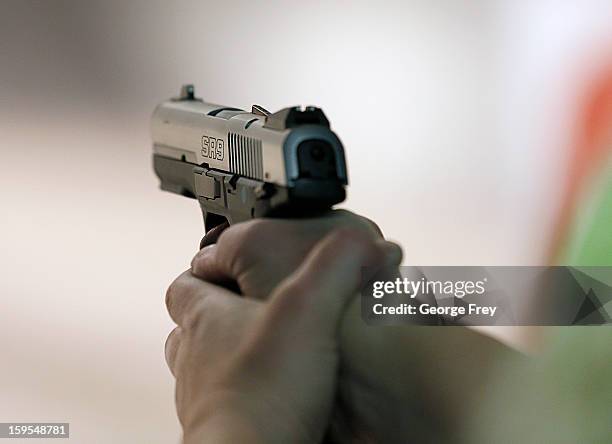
<point>212,234</point>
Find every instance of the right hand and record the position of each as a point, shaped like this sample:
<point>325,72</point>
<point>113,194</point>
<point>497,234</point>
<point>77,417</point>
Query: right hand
<point>391,379</point>
<point>254,256</point>
<point>237,360</point>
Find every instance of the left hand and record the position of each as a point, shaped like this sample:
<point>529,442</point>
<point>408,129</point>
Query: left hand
<point>253,371</point>
<point>378,400</point>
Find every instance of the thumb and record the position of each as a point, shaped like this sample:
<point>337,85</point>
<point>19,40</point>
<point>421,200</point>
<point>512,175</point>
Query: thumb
<point>314,298</point>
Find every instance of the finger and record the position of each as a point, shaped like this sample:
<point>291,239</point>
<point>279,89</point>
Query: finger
<point>181,294</point>
<point>314,297</point>
<point>171,348</point>
<point>237,251</point>
<point>216,264</point>
<point>241,246</point>
<point>206,266</point>
<point>213,235</point>
<point>186,292</point>
<point>358,222</point>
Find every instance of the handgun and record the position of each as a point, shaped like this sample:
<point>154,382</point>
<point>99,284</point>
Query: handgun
<point>241,165</point>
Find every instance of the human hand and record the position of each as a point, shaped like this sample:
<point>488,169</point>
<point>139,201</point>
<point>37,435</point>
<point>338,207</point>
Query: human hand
<point>255,256</point>
<point>390,377</point>
<point>255,371</point>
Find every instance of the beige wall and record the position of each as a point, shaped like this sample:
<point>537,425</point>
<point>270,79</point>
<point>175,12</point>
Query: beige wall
<point>455,118</point>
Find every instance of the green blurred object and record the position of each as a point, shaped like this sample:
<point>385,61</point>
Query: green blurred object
<point>563,395</point>
<point>590,240</point>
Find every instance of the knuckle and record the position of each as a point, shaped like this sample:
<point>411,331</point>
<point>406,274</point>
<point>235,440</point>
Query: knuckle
<point>350,239</point>
<point>349,235</point>
<point>172,336</point>
<point>175,288</point>
<point>360,222</point>
<point>199,315</point>
<point>247,237</point>
<point>294,297</point>
<point>193,319</point>
<point>172,340</point>
<point>372,226</point>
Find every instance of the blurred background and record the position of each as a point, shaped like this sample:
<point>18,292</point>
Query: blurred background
<point>460,122</point>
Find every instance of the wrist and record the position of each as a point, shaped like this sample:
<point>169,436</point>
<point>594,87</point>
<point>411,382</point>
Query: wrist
<point>221,428</point>
<point>221,417</point>
<point>237,417</point>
